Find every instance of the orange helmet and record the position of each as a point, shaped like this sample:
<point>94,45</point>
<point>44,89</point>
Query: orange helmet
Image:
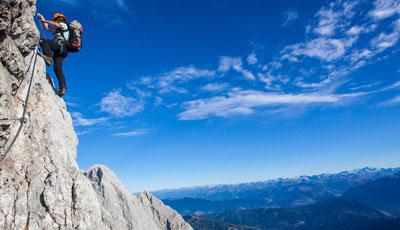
<point>59,15</point>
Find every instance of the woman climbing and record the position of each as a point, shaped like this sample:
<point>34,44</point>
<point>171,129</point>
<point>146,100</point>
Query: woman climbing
<point>56,49</point>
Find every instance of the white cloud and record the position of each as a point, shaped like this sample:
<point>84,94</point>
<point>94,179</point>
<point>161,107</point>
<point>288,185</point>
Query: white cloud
<point>146,80</point>
<point>118,105</point>
<point>385,8</point>
<point>158,101</point>
<point>365,86</point>
<point>334,17</point>
<point>384,41</point>
<point>391,102</point>
<point>139,91</point>
<point>72,104</point>
<point>180,75</point>
<point>300,83</point>
<point>244,103</point>
<point>268,79</point>
<point>215,87</point>
<point>227,63</point>
<point>183,74</point>
<point>252,59</point>
<point>396,85</point>
<point>134,133</point>
<point>333,35</point>
<point>325,49</point>
<point>327,22</point>
<point>271,81</point>
<point>357,55</point>
<point>79,120</point>
<point>84,132</point>
<point>357,30</point>
<point>335,45</point>
<point>248,74</point>
<point>290,16</point>
<point>275,65</point>
<point>377,45</point>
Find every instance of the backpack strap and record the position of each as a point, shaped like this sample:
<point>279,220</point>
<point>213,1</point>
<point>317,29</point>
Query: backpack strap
<point>60,30</point>
<point>66,23</point>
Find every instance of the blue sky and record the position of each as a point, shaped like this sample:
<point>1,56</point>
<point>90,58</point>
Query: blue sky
<point>180,93</point>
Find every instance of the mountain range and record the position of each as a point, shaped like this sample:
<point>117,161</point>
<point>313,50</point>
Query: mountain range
<point>279,193</point>
<point>361,199</point>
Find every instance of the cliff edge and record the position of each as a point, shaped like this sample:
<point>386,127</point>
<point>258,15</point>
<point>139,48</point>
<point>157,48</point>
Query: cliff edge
<point>41,186</point>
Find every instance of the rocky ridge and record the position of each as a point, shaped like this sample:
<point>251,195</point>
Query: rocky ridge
<point>41,186</point>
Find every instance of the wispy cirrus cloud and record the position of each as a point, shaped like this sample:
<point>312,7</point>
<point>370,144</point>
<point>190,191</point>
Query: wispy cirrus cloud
<point>366,86</point>
<point>245,102</point>
<point>118,105</point>
<point>333,40</point>
<point>340,38</point>
<point>325,49</point>
<point>227,63</point>
<point>81,121</point>
<point>385,8</point>
<point>215,87</point>
<point>252,59</point>
<point>71,104</point>
<point>396,85</point>
<point>391,102</point>
<point>133,133</point>
<point>334,17</point>
<point>290,16</point>
<point>167,82</point>
<point>387,40</point>
<point>324,44</point>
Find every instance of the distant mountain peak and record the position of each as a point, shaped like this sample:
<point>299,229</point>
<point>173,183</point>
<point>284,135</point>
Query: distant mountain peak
<point>361,175</point>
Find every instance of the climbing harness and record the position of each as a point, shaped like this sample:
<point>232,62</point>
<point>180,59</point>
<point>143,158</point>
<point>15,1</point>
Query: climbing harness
<point>23,119</point>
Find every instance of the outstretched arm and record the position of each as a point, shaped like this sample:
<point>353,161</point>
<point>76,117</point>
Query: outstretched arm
<point>53,23</point>
<point>46,24</point>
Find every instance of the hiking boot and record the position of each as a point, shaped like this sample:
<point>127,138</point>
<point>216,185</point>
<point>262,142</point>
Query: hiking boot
<point>48,60</point>
<point>61,92</point>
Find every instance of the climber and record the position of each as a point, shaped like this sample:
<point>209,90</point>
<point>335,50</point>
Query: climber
<point>56,49</point>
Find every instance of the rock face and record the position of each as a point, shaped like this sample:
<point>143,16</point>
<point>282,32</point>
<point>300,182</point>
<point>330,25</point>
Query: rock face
<point>122,211</point>
<point>41,186</point>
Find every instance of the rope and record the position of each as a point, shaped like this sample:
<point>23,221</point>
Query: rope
<point>23,118</point>
<point>41,27</point>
